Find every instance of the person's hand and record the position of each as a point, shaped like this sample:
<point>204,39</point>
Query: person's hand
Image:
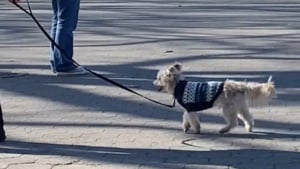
<point>14,1</point>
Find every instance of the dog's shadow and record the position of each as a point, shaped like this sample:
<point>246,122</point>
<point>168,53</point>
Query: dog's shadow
<point>258,135</point>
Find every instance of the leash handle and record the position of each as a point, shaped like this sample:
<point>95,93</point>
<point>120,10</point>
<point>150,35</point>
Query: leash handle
<point>77,64</point>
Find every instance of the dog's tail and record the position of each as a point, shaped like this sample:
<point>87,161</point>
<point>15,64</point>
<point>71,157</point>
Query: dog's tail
<point>258,94</point>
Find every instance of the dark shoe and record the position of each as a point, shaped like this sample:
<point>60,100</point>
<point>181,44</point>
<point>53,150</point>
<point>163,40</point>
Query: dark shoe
<point>2,133</point>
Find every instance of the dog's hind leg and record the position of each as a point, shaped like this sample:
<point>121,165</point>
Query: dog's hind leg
<point>194,121</point>
<point>230,116</point>
<point>244,114</point>
<point>185,122</point>
<point>246,117</point>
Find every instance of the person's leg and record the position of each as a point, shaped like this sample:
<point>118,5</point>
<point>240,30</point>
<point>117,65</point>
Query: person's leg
<point>64,23</point>
<point>53,58</point>
<point>2,133</point>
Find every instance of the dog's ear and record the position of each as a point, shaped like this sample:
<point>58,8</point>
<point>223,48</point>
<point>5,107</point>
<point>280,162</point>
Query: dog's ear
<point>175,68</point>
<point>172,69</point>
<point>170,72</point>
<point>178,66</point>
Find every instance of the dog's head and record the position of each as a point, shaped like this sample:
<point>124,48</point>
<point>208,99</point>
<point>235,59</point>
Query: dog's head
<point>167,79</point>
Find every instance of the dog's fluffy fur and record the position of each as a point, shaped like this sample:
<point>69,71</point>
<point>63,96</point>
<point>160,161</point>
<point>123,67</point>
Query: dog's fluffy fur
<point>235,99</point>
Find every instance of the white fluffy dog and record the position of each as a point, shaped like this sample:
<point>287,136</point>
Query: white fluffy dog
<point>234,97</point>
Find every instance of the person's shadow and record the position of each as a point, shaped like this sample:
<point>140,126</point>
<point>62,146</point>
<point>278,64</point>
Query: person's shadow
<point>161,158</point>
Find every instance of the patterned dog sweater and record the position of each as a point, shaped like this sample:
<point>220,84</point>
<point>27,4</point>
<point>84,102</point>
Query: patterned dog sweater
<point>196,96</point>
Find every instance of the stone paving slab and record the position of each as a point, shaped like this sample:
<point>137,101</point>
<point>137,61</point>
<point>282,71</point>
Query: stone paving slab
<point>83,122</point>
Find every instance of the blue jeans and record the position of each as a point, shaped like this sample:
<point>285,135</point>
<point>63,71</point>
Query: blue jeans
<point>64,22</point>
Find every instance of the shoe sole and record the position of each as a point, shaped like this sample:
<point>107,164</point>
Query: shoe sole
<point>70,74</point>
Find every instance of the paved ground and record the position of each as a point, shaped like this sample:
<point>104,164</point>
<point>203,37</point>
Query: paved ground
<point>83,122</point>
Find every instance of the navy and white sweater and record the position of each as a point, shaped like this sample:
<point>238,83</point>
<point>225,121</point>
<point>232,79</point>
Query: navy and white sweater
<point>196,96</point>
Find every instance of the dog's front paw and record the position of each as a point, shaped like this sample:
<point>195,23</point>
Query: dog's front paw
<point>197,131</point>
<point>186,127</point>
<point>224,130</point>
